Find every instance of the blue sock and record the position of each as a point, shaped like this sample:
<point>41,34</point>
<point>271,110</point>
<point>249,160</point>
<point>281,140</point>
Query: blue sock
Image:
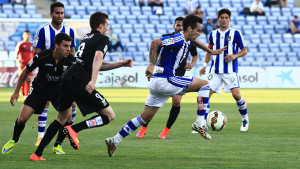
<point>41,123</point>
<point>202,104</point>
<point>242,106</point>
<point>73,114</point>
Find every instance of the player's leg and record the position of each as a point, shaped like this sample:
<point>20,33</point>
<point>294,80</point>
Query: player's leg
<point>203,88</point>
<point>19,125</point>
<point>51,131</point>
<point>26,88</point>
<point>41,123</point>
<point>146,116</point>
<point>242,106</point>
<point>174,112</point>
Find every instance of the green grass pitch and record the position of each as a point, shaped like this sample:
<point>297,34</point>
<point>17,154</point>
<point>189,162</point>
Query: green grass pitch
<point>273,139</point>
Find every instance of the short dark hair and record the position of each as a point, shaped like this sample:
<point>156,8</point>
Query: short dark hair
<point>27,31</point>
<point>56,4</point>
<point>192,21</point>
<point>60,37</point>
<point>296,17</point>
<point>179,18</point>
<point>97,18</point>
<point>224,10</point>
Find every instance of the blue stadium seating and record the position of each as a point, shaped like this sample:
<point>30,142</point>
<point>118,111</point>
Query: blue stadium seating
<point>124,37</point>
<point>135,37</point>
<point>138,28</point>
<point>135,10</point>
<point>124,10</point>
<point>91,9</point>
<point>154,19</point>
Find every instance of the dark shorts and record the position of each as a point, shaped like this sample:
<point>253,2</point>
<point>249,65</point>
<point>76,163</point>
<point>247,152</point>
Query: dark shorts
<point>37,100</point>
<point>74,90</point>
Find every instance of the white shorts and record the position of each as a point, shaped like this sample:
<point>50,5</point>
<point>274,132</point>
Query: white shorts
<point>160,89</point>
<point>229,80</point>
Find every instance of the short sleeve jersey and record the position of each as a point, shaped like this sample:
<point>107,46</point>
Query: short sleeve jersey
<point>234,41</point>
<point>180,71</point>
<point>44,38</point>
<point>90,43</point>
<point>25,52</point>
<point>50,72</point>
<point>173,51</point>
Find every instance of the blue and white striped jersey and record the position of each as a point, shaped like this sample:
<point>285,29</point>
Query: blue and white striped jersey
<point>44,38</point>
<point>173,52</point>
<point>234,41</point>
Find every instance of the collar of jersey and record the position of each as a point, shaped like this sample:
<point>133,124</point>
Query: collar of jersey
<point>62,25</point>
<point>95,31</point>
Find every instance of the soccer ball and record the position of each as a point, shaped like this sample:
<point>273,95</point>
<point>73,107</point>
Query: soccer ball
<point>216,120</point>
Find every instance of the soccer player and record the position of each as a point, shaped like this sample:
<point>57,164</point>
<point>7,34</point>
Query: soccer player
<point>51,63</point>
<point>224,67</point>
<point>164,83</point>
<point>180,71</point>
<point>78,84</point>
<point>24,53</point>
<point>44,39</point>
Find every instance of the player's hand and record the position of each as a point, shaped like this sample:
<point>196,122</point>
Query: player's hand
<point>202,70</point>
<point>229,58</point>
<point>128,63</point>
<point>149,71</point>
<point>189,66</point>
<point>90,87</point>
<point>14,97</point>
<point>218,51</point>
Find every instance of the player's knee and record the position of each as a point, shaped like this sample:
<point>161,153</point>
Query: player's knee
<point>22,120</point>
<point>176,103</point>
<point>73,105</point>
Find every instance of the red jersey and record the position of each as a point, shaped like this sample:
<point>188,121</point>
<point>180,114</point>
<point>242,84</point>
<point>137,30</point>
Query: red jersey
<point>25,52</point>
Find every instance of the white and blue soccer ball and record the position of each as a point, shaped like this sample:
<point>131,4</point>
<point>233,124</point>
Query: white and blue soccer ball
<point>216,120</point>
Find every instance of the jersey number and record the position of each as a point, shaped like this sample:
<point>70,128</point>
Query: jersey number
<point>80,50</point>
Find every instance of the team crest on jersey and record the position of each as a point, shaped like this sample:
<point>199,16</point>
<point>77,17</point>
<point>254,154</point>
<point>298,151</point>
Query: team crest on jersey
<point>228,38</point>
<point>170,41</point>
<point>65,67</point>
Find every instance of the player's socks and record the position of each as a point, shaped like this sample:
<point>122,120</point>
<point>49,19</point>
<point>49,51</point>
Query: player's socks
<point>242,106</point>
<point>130,127</point>
<point>50,133</point>
<point>41,123</point>
<point>61,136</point>
<point>207,110</point>
<point>202,104</point>
<point>96,121</point>
<point>17,130</point>
<point>173,116</point>
<point>73,114</point>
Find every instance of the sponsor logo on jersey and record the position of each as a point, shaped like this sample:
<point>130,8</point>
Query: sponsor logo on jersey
<point>65,67</point>
<point>93,122</point>
<point>170,41</point>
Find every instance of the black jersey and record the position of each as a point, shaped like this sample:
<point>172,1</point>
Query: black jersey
<point>180,71</point>
<point>49,73</point>
<point>90,43</point>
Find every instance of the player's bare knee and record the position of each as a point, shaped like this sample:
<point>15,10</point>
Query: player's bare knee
<point>22,120</point>
<point>73,105</point>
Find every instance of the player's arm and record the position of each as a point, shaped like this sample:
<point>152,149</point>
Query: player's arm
<point>243,52</point>
<point>17,49</point>
<point>206,60</point>
<point>109,66</point>
<point>97,63</point>
<point>194,59</point>
<point>36,50</point>
<point>22,78</point>
<point>156,44</point>
<point>203,47</point>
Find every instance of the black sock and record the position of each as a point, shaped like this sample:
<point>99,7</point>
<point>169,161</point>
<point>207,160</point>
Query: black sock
<point>50,133</point>
<point>145,125</point>
<point>61,136</point>
<point>173,116</point>
<point>17,131</point>
<point>95,121</point>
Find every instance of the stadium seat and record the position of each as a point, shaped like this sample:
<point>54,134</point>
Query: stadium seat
<point>178,12</point>
<point>85,3</point>
<point>13,15</point>
<point>142,46</point>
<point>267,64</point>
<point>164,19</point>
<point>275,11</point>
<point>258,29</point>
<point>107,2</point>
<point>255,38</point>
<point>9,63</point>
<point>240,20</point>
<point>172,3</point>
<point>11,55</point>
<point>297,38</point>
<point>296,11</point>
<point>161,28</point>
<point>138,28</point>
<point>269,29</point>
<point>246,3</point>
<point>272,20</point>
<point>281,29</point>
<point>154,19</point>
<point>295,47</point>
<point>202,38</point>
<point>146,37</point>
<point>69,11</point>
<point>236,3</point>
<point>276,38</point>
<point>30,9</point>
<point>143,19</point>
<point>103,9</point>
<point>288,63</point>
<point>251,20</point>
<point>156,35</point>
<point>3,15</point>
<point>286,12</point>
<point>277,63</point>
<point>85,17</point>
<point>76,17</point>
<point>283,20</point>
<point>131,47</point>
<point>118,3</point>
<point>121,19</point>
<point>135,37</point>
<point>80,10</point>
<point>135,10</point>
<point>91,9</point>
<point>284,47</point>
<point>124,10</point>
<point>129,3</point>
<point>225,3</point>
<point>247,29</point>
<point>261,20</point>
<point>147,10</point>
<point>281,56</point>
<point>117,28</point>
<point>263,48</point>
<point>37,16</point>
<point>215,3</point>
<point>274,47</point>
<point>25,15</point>
<point>266,38</point>
<point>211,11</point>
<point>131,19</point>
<point>114,10</point>
<point>124,37</point>
<point>245,63</point>
<point>19,9</point>
<point>150,28</point>
<point>288,38</point>
<point>252,48</point>
<point>7,8</point>
<point>127,28</point>
<point>249,57</point>
<point>3,56</point>
<point>168,11</point>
